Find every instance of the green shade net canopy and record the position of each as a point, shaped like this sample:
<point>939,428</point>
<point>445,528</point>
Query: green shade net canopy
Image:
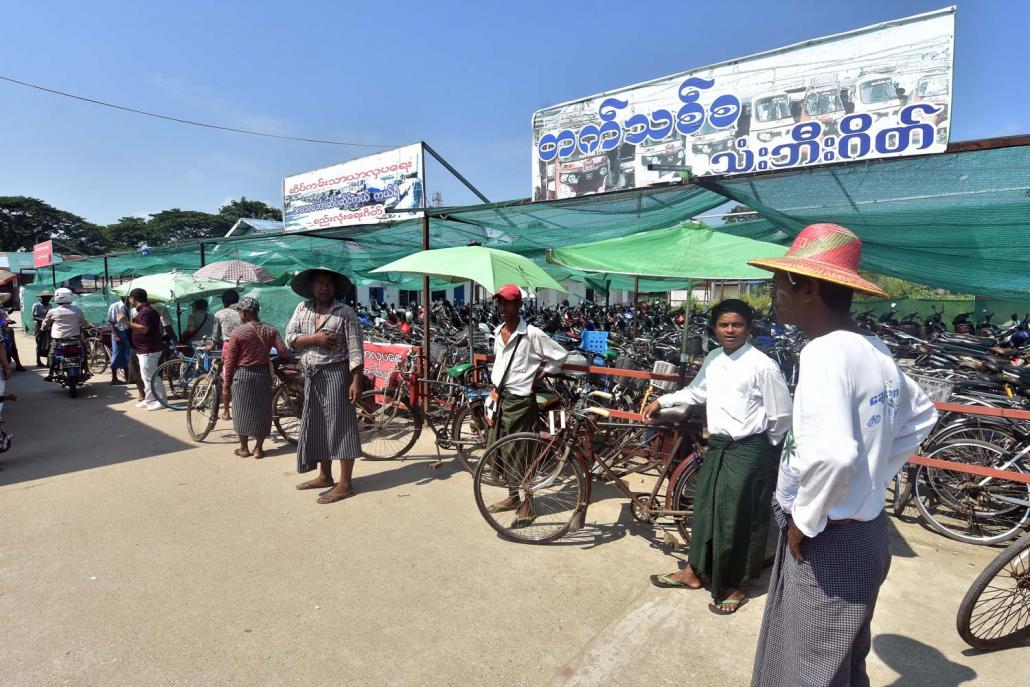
<point>172,286</point>
<point>957,220</point>
<point>489,267</point>
<point>689,251</point>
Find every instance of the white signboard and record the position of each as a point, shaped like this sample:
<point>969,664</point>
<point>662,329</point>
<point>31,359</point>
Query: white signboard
<point>881,91</point>
<point>357,192</point>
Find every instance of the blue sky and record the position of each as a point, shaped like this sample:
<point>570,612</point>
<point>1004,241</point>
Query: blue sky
<point>465,77</point>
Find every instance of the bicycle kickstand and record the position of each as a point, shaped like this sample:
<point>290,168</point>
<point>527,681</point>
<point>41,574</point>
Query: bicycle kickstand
<point>435,465</point>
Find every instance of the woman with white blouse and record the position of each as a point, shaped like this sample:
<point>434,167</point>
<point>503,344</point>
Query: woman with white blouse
<point>748,407</point>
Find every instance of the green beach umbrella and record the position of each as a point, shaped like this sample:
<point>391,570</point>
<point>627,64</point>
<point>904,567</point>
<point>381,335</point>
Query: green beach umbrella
<point>488,267</point>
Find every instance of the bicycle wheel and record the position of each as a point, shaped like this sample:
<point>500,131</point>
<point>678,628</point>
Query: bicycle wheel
<point>528,467</point>
<point>388,427</point>
<point>470,430</point>
<point>287,405</point>
<point>174,376</point>
<point>97,356</point>
<point>683,494</point>
<point>995,612</point>
<point>967,507</point>
<point>202,407</point>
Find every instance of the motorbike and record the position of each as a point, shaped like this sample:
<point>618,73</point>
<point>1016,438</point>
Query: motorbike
<point>69,370</point>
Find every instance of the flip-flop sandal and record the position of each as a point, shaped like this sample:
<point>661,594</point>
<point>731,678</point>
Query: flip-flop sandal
<point>737,604</point>
<point>307,485</point>
<point>241,453</point>
<point>666,582</point>
<point>523,521</point>
<point>326,499</point>
<point>502,507</point>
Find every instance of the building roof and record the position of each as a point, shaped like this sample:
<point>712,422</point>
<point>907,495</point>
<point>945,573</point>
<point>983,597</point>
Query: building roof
<point>249,225</point>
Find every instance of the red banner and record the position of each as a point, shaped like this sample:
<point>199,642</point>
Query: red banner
<point>43,254</point>
<point>381,360</point>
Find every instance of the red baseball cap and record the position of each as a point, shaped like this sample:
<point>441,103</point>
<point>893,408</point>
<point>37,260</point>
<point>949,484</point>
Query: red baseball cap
<point>509,292</point>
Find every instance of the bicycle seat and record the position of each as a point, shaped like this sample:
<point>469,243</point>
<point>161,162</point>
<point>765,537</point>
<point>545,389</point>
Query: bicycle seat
<point>458,370</point>
<point>547,400</point>
<point>671,417</point>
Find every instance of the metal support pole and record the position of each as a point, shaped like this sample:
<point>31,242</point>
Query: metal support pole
<point>53,273</point>
<point>425,300</point>
<point>107,276</point>
<point>636,292</point>
<point>203,257</point>
<point>685,340</point>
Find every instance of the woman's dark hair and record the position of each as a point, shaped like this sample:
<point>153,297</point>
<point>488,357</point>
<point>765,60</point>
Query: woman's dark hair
<point>200,304</point>
<point>139,295</point>
<point>734,305</point>
<point>230,296</point>
<point>834,296</point>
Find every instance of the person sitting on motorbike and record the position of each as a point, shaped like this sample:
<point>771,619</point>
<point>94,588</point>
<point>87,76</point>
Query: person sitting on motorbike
<point>65,321</point>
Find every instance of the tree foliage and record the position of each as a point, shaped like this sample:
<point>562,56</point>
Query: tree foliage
<point>739,213</point>
<point>26,221</point>
<point>253,209</point>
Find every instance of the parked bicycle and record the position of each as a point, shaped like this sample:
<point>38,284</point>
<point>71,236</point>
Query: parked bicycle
<point>179,372</point>
<point>995,612</point>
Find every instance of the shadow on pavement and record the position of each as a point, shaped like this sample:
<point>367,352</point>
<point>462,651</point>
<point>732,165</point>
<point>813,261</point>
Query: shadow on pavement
<point>899,546</point>
<point>919,664</point>
<point>55,434</point>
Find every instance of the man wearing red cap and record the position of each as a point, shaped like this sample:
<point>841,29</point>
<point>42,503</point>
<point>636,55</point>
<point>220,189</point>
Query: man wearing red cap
<point>522,354</point>
<point>857,418</point>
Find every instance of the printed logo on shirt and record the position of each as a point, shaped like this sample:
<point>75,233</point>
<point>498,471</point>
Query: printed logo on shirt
<point>887,400</point>
<point>789,447</point>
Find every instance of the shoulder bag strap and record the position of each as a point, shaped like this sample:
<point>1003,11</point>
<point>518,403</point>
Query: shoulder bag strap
<point>507,368</point>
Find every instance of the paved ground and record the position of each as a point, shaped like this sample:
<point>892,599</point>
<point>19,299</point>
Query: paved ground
<point>132,556</point>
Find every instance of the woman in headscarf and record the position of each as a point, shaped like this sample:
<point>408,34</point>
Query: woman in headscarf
<point>247,377</point>
<point>748,407</point>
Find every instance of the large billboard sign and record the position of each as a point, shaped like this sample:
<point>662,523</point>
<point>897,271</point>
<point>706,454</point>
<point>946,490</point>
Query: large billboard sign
<point>357,191</point>
<point>880,91</point>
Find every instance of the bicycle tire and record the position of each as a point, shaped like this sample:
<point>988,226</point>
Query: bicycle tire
<point>470,425</point>
<point>930,490</point>
<point>902,493</point>
<point>554,510</point>
<point>97,356</point>
<point>171,376</point>
<point>202,407</point>
<point>389,427</point>
<point>287,406</point>
<point>1014,628</point>
<point>684,492</point>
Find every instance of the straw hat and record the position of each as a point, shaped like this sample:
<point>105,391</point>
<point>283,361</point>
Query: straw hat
<point>827,252</point>
<point>301,282</point>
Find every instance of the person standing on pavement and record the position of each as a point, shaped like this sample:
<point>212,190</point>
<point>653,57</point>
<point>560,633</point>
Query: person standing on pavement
<point>247,377</point>
<point>39,311</point>
<point>522,355</point>
<point>121,345</point>
<point>748,410</point>
<point>327,332</point>
<point>227,319</point>
<point>857,419</point>
<point>148,344</point>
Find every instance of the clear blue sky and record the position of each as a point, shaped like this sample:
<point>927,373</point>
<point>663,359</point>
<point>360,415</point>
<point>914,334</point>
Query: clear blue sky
<point>463,76</point>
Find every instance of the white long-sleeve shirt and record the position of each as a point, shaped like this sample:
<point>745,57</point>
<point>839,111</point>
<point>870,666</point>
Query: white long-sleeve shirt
<point>857,419</point>
<point>744,394</point>
<point>536,348</point>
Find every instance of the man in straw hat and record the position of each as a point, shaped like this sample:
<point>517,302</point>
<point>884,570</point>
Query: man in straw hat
<point>327,333</point>
<point>857,418</point>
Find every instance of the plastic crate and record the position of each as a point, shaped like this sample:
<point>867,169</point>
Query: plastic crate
<point>939,390</point>
<point>595,342</point>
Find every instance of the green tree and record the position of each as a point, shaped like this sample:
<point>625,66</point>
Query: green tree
<point>254,209</point>
<point>26,221</point>
<point>739,213</point>
<point>169,226</point>
<point>128,232</point>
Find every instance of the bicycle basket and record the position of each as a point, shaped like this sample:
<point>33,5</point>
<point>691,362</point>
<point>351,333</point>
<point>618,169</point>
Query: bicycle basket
<point>595,342</point>
<point>625,362</point>
<point>663,368</point>
<point>939,390</point>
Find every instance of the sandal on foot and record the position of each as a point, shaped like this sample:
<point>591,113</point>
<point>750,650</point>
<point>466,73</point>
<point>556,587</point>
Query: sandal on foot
<point>241,453</point>
<point>310,485</point>
<point>736,604</point>
<point>503,506</point>
<point>327,498</point>
<point>666,582</point>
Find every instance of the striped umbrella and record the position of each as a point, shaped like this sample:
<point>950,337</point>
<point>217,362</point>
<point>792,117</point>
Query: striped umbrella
<point>238,271</point>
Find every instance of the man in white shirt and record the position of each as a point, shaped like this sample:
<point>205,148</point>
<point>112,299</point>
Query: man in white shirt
<point>857,419</point>
<point>62,322</point>
<point>121,348</point>
<point>522,355</point>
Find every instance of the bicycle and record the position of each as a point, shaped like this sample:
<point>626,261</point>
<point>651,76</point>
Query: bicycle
<point>995,612</point>
<point>552,471</point>
<point>205,400</point>
<point>98,353</point>
<point>178,373</point>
